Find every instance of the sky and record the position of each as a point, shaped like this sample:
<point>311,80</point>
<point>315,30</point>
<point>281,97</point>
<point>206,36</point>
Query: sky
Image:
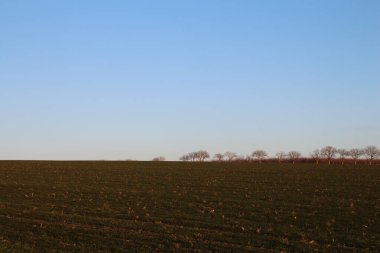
<point>115,80</point>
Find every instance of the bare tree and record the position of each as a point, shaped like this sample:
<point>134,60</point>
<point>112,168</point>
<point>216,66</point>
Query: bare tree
<point>219,157</point>
<point>329,153</point>
<point>259,154</point>
<point>230,156</point>
<point>372,153</point>
<point>158,159</point>
<point>193,156</point>
<point>201,155</point>
<point>294,156</point>
<point>280,156</point>
<point>356,153</point>
<point>185,158</point>
<point>316,155</point>
<point>342,154</point>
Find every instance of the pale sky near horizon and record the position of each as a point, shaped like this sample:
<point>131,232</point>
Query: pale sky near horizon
<point>139,79</point>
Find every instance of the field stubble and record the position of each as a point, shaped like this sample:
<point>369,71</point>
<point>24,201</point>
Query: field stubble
<point>170,206</point>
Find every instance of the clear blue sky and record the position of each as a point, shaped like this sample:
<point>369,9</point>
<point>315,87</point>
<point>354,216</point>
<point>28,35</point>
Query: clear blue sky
<point>138,79</point>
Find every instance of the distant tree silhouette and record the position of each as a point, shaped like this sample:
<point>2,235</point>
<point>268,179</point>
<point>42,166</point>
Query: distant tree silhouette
<point>185,158</point>
<point>280,156</point>
<point>316,155</point>
<point>259,155</point>
<point>342,154</point>
<point>219,157</point>
<point>371,153</point>
<point>329,153</point>
<point>201,155</point>
<point>193,156</point>
<point>294,156</point>
<point>356,153</point>
<point>158,159</point>
<point>230,156</point>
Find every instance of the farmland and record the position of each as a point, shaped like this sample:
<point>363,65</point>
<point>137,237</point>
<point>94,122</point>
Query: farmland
<point>171,206</point>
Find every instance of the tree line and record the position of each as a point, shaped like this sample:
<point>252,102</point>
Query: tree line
<point>327,154</point>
